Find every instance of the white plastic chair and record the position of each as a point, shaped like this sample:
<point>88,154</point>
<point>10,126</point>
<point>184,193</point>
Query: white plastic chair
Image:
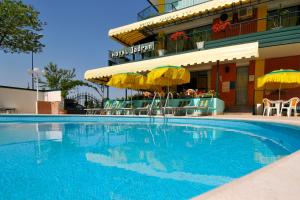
<point>290,105</point>
<point>268,107</point>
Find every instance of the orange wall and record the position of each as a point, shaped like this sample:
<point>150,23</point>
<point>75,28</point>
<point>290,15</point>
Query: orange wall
<point>227,97</point>
<point>292,62</point>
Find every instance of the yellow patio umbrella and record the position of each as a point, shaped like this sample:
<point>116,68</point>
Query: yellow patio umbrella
<point>168,76</point>
<point>144,85</point>
<point>279,79</point>
<point>124,80</point>
<point>133,81</point>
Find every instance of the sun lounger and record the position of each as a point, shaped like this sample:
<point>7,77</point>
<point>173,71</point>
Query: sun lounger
<point>110,106</point>
<point>7,110</point>
<point>202,105</point>
<point>156,108</point>
<point>144,108</point>
<point>126,108</point>
<point>178,107</point>
<point>115,110</point>
<point>168,109</point>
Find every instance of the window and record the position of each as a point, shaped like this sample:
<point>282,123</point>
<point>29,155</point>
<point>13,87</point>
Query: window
<point>284,17</point>
<point>200,81</point>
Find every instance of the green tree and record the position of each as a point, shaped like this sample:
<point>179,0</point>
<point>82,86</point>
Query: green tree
<point>19,27</point>
<point>62,79</point>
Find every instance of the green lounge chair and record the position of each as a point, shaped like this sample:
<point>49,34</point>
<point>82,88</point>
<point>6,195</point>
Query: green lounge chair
<point>156,108</point>
<point>201,105</point>
<point>116,107</point>
<point>127,108</point>
<point>175,109</point>
<point>144,108</point>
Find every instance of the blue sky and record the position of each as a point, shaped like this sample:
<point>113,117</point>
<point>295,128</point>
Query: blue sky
<point>76,36</point>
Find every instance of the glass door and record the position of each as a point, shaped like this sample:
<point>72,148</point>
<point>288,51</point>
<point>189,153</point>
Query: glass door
<point>242,86</point>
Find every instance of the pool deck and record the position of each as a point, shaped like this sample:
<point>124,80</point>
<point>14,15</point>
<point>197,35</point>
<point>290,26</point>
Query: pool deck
<point>284,120</point>
<point>277,181</point>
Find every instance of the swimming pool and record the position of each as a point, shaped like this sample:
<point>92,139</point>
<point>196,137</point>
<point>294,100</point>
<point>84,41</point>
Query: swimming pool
<point>132,158</point>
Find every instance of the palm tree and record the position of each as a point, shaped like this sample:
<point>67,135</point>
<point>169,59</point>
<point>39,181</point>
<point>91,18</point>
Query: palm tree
<point>62,79</point>
<point>65,80</point>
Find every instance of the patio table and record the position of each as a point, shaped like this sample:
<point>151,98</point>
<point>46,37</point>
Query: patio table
<point>278,104</point>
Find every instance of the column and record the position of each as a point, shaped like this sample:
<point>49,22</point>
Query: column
<point>258,94</point>
<point>262,12</point>
<point>161,6</point>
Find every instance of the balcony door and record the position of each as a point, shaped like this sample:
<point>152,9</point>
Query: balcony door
<point>242,86</point>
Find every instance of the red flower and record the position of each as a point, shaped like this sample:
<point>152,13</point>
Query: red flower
<point>178,35</point>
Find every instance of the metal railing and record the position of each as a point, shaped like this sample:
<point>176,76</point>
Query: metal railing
<point>153,10</point>
<point>171,47</point>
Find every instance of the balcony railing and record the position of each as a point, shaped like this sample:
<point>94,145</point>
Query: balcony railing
<point>189,41</point>
<point>152,11</point>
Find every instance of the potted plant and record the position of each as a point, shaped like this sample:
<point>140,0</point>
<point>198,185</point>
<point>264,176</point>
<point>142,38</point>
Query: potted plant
<point>199,40</point>
<point>179,37</point>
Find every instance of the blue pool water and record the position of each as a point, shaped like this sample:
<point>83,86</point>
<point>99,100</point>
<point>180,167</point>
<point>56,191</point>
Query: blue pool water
<point>132,158</point>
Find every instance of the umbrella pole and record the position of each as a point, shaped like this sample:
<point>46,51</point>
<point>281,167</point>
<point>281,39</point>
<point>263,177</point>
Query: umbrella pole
<point>131,97</point>
<point>279,91</point>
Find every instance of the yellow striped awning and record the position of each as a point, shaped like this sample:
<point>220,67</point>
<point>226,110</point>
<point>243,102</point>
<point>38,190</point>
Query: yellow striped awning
<point>235,52</point>
<point>132,33</point>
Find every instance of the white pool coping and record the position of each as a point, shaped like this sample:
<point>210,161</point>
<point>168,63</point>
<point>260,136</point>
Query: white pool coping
<point>277,181</point>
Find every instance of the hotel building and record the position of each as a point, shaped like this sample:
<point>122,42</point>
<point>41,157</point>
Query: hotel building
<point>226,45</point>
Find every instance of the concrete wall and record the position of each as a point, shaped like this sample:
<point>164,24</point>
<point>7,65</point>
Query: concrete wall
<point>52,96</point>
<point>24,100</point>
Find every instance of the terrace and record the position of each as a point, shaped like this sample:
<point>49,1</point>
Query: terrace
<point>284,29</point>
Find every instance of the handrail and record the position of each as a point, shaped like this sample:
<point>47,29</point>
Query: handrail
<point>152,103</point>
<point>171,7</point>
<point>167,101</point>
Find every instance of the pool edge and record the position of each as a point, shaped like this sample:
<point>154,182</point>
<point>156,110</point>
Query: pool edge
<point>279,180</point>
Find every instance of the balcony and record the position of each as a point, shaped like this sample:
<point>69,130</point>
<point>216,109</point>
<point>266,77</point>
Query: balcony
<point>152,11</point>
<point>280,29</point>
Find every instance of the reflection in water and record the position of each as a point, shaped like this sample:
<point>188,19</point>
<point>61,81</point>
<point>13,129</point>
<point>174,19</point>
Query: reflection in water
<point>150,170</point>
<point>169,149</point>
<point>118,160</point>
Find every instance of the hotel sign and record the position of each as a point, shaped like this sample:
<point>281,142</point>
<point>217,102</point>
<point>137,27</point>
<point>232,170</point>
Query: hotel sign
<point>141,48</point>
